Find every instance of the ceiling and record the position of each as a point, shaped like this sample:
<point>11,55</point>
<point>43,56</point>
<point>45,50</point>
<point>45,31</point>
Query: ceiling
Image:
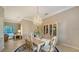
<point>18,13</point>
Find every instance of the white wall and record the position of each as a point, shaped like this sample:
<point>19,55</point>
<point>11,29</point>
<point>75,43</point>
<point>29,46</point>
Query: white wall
<point>1,28</point>
<point>26,27</point>
<point>68,26</point>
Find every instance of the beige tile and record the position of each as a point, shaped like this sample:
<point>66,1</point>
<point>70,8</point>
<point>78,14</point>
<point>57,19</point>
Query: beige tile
<point>63,48</point>
<point>11,45</point>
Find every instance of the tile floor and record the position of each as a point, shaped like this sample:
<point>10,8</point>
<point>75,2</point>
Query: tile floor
<point>11,45</point>
<point>63,48</point>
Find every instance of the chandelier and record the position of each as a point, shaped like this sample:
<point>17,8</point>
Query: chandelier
<point>37,19</point>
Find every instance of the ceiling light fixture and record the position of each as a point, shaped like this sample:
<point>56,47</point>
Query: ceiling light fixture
<point>37,19</point>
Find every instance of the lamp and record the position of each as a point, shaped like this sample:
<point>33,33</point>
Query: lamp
<point>19,31</point>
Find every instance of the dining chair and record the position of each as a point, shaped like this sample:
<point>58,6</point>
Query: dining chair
<point>30,45</point>
<point>50,46</point>
<point>46,47</point>
<point>53,44</point>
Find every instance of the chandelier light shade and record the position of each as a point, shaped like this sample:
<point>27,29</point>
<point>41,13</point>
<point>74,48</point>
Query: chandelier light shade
<point>37,19</point>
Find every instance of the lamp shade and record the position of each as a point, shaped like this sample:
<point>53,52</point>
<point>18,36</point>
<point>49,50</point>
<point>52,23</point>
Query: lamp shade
<point>19,31</point>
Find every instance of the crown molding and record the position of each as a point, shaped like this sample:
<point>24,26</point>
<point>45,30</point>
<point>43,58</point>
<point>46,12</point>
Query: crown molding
<point>49,15</point>
<point>62,10</point>
<point>16,21</point>
<point>11,21</point>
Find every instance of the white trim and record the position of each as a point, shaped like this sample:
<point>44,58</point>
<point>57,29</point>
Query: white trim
<point>16,21</point>
<point>2,48</point>
<point>62,10</point>
<point>74,47</point>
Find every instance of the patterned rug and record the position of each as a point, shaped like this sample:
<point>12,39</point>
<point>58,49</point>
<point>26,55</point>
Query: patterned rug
<point>24,49</point>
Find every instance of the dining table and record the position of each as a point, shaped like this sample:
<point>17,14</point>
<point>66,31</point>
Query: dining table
<point>39,42</point>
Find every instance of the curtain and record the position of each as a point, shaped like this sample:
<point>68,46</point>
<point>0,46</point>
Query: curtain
<point>10,30</point>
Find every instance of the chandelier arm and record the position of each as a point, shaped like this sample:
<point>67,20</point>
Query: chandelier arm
<point>37,18</point>
<point>37,10</point>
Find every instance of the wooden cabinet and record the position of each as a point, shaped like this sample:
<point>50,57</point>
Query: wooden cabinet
<point>6,37</point>
<point>15,37</point>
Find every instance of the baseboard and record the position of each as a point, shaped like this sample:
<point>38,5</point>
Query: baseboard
<point>1,49</point>
<point>74,47</point>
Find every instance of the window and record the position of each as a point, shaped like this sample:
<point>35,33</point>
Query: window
<point>50,27</point>
<point>46,28</point>
<point>8,29</point>
<point>54,30</point>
